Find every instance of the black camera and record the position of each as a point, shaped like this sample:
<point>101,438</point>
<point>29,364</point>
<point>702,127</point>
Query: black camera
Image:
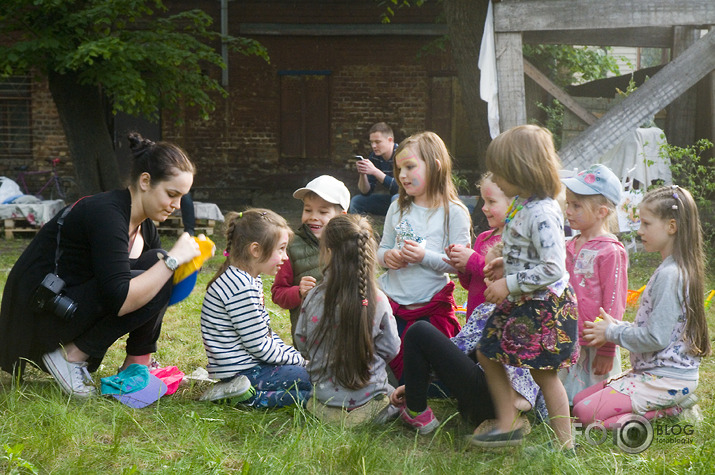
<point>48,297</point>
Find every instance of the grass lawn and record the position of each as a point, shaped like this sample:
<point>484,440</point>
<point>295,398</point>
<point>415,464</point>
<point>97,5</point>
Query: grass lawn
<point>44,431</point>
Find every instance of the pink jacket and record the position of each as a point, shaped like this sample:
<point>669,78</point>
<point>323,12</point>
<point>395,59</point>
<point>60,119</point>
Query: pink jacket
<point>472,278</point>
<point>599,276</point>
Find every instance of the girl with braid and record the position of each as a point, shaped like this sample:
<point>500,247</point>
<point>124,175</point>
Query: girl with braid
<point>345,329</point>
<point>244,353</point>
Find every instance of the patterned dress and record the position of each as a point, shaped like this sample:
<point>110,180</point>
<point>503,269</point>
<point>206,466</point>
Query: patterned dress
<point>536,326</point>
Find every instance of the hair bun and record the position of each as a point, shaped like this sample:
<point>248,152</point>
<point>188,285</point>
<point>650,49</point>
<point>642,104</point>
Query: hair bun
<point>138,144</point>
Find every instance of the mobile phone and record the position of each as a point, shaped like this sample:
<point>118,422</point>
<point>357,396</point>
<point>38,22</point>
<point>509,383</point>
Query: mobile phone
<point>359,157</point>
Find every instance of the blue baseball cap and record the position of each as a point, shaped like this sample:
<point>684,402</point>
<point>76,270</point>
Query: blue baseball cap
<point>596,180</point>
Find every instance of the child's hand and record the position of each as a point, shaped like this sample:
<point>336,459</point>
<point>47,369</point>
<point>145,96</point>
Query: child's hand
<point>595,332</point>
<point>497,291</point>
<point>495,269</point>
<point>602,365</point>
<point>306,283</point>
<point>393,259</point>
<point>397,398</point>
<point>412,252</point>
<point>459,256</point>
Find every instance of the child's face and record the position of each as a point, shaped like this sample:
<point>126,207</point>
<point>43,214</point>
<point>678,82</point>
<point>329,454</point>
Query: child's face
<point>656,234</point>
<point>495,204</point>
<point>278,257</point>
<point>578,212</point>
<point>508,188</point>
<point>382,145</point>
<point>412,174</point>
<point>317,212</point>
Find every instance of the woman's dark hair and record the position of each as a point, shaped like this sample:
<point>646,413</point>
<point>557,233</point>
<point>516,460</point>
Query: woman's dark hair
<point>161,160</point>
<point>348,245</point>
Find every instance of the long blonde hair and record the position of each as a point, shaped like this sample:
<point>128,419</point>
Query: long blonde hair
<point>525,157</point>
<point>349,249</point>
<point>440,189</point>
<point>676,203</point>
<point>258,225</point>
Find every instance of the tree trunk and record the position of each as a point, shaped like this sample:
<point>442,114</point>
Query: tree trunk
<point>82,113</point>
<point>465,20</point>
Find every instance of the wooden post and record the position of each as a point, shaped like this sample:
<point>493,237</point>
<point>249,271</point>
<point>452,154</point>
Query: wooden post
<point>669,83</point>
<point>680,121</point>
<point>510,78</point>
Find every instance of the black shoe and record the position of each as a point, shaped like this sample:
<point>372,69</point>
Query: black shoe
<point>493,438</point>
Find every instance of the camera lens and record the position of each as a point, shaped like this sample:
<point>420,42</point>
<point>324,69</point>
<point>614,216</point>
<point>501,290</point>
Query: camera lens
<point>64,307</point>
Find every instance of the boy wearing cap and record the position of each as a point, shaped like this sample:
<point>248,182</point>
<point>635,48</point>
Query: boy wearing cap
<point>323,198</point>
<point>597,264</point>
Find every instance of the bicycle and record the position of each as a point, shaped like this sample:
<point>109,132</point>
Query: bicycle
<point>59,187</point>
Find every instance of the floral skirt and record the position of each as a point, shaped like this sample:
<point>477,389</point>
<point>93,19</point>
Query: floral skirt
<point>534,334</point>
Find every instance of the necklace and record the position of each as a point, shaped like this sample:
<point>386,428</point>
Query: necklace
<point>512,210</point>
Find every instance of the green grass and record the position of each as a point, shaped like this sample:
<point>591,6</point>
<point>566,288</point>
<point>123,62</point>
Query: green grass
<point>47,432</point>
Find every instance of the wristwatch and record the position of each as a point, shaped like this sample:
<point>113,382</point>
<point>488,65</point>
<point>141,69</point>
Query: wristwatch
<point>170,262</point>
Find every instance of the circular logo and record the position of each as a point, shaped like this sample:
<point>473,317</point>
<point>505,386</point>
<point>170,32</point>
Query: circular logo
<point>596,434</point>
<point>634,434</point>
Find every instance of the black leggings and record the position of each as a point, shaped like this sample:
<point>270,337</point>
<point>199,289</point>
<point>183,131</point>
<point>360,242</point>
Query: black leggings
<point>94,330</point>
<point>428,350</point>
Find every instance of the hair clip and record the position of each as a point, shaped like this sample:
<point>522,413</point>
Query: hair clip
<point>675,195</point>
<point>240,214</point>
<point>364,302</point>
<point>225,253</point>
<point>675,207</point>
<point>263,214</point>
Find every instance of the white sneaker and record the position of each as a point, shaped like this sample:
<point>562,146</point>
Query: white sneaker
<point>236,390</point>
<point>74,379</point>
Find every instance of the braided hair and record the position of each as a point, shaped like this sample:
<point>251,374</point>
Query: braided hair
<point>258,225</point>
<point>348,247</point>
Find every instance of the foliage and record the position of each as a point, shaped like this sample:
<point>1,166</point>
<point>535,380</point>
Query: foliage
<point>144,61</point>
<point>15,463</point>
<point>461,183</point>
<point>566,64</point>
<point>697,174</point>
<point>392,6</point>
<point>554,119</point>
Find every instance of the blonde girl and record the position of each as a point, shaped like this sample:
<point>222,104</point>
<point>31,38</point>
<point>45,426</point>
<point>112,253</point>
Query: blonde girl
<point>424,220</point>
<point>597,264</point>
<point>346,330</point>
<point>534,324</point>
<point>669,335</point>
<point>235,325</point>
<point>470,262</point>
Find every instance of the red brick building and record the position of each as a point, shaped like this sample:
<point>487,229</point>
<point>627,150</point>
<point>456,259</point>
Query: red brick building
<point>334,71</point>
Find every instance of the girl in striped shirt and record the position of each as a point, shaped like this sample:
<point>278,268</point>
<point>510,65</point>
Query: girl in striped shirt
<point>235,325</point>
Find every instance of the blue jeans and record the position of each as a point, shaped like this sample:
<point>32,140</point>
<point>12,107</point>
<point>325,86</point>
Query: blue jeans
<point>375,203</point>
<point>278,385</point>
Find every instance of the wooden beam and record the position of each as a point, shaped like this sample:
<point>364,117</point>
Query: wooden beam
<point>539,15</point>
<point>371,29</point>
<point>558,93</point>
<point>680,120</point>
<point>669,83</point>
<point>510,78</point>
<point>650,37</point>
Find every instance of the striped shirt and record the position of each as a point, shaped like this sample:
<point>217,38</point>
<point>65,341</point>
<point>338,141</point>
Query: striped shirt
<point>236,328</point>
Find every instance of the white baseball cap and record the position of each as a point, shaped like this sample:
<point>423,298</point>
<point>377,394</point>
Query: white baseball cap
<point>327,187</point>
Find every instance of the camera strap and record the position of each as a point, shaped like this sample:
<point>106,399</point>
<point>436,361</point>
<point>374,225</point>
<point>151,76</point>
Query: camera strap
<point>60,222</point>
